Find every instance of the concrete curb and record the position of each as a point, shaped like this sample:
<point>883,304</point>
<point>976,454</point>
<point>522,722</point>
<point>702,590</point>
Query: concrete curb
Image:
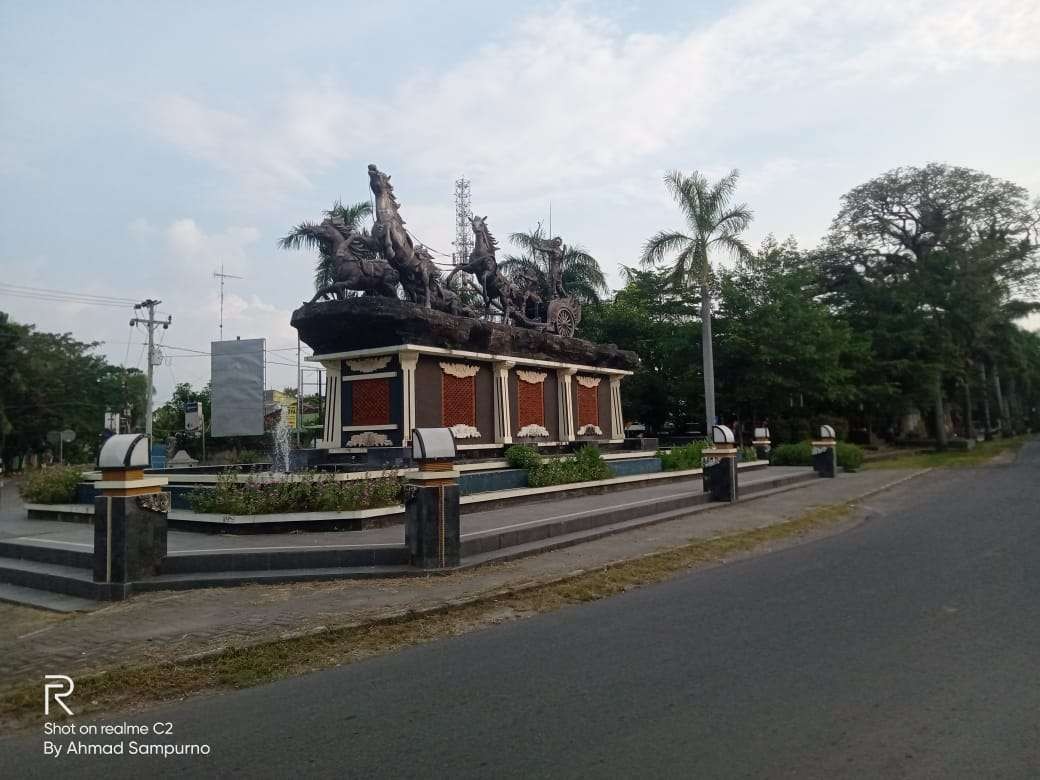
<point>400,615</point>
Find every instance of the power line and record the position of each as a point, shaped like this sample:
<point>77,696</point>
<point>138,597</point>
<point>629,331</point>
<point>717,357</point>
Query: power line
<point>61,298</point>
<point>113,298</point>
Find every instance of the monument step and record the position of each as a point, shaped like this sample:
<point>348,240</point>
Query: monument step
<point>298,558</point>
<point>554,533</point>
<point>45,599</point>
<point>48,552</point>
<point>185,581</point>
<point>70,580</point>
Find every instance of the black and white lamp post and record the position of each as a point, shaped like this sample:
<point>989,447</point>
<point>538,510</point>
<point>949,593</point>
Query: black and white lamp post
<point>719,464</point>
<point>129,515</point>
<point>433,528</point>
<point>762,443</point>
<point>825,453</point>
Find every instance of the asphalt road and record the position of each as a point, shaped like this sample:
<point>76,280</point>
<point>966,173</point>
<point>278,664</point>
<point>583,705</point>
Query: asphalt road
<point>908,646</point>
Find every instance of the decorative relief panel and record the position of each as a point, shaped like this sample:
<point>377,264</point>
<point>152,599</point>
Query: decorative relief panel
<point>461,431</point>
<point>589,381</point>
<point>588,405</point>
<point>368,439</point>
<point>531,377</point>
<point>589,430</point>
<point>460,370</point>
<point>368,365</point>
<point>458,401</point>
<point>370,402</point>
<point>530,404</point>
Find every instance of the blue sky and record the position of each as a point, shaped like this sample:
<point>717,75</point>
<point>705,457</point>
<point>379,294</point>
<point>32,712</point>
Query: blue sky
<point>143,144</point>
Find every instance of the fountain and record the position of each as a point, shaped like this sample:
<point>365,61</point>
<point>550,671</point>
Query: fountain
<point>281,446</point>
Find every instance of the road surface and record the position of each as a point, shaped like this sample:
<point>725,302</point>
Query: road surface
<point>908,646</point>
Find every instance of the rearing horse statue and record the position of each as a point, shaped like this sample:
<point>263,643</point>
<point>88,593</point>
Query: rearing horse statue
<point>494,286</point>
<point>396,244</point>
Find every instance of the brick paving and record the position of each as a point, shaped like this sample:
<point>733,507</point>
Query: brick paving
<point>167,625</point>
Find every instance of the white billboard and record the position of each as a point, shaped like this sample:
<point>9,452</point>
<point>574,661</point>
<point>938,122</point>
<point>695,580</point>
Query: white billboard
<point>237,387</point>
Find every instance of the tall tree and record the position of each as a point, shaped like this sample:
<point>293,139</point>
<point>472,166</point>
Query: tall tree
<point>781,348</point>
<point>930,261</point>
<point>353,217</point>
<point>582,276</point>
<point>713,224</point>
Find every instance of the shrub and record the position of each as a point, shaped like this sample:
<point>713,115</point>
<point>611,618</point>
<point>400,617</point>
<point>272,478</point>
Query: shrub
<point>314,492</point>
<point>681,458</point>
<point>51,485</point>
<point>586,465</point>
<point>748,454</point>
<point>799,454</point>
<point>523,456</point>
<point>850,456</point>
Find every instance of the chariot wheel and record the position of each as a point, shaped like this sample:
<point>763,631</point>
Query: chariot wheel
<point>564,323</point>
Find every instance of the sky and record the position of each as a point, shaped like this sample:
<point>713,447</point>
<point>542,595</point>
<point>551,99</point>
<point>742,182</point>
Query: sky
<point>145,145</point>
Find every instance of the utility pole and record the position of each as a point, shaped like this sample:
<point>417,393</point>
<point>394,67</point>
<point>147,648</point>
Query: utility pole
<point>222,276</point>
<point>151,323</point>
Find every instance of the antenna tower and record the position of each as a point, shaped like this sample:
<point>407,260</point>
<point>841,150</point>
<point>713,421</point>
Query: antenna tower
<point>222,276</point>
<point>463,230</point>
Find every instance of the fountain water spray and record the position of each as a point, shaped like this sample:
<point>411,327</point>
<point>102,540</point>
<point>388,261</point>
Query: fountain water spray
<point>282,443</point>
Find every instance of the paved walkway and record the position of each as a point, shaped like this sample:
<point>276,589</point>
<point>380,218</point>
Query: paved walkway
<point>169,625</point>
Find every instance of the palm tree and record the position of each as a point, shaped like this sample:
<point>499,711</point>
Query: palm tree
<point>582,276</point>
<point>352,216</point>
<point>712,224</point>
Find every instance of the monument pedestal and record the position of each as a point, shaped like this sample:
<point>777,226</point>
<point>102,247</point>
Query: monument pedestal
<point>433,528</point>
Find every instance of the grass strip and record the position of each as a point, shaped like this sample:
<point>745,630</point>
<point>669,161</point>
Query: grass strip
<point>131,686</point>
<point>978,456</point>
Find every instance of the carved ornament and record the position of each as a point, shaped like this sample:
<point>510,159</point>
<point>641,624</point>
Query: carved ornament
<point>369,439</point>
<point>532,430</point>
<point>460,370</point>
<point>368,365</point>
<point>531,377</point>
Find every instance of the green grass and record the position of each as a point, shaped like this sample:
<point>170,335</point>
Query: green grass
<point>983,453</point>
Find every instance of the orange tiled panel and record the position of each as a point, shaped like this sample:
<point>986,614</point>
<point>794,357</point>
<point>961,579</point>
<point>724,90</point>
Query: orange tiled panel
<point>588,406</point>
<point>458,400</point>
<point>530,403</point>
<point>370,402</point>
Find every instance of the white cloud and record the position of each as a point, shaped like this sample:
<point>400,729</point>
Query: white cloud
<point>567,96</point>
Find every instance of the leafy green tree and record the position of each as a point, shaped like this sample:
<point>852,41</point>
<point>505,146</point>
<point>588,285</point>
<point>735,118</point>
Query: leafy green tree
<point>713,224</point>
<point>52,382</point>
<point>660,324</point>
<point>582,276</point>
<point>930,261</point>
<point>353,217</point>
<point>784,355</point>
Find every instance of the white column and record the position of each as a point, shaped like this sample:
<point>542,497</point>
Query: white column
<point>408,362</point>
<point>332,425</point>
<point>503,417</point>
<point>617,422</point>
<point>565,403</point>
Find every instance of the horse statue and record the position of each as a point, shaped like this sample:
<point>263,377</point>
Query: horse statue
<point>494,286</point>
<point>356,266</point>
<point>395,243</point>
